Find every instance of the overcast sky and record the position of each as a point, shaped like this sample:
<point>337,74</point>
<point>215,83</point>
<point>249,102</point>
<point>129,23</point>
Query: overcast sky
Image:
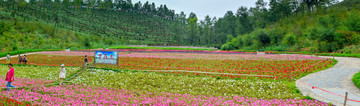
<point>203,7</point>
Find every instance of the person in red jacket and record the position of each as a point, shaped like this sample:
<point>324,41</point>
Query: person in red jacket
<point>10,76</point>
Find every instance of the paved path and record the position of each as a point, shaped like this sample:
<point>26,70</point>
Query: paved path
<point>336,80</point>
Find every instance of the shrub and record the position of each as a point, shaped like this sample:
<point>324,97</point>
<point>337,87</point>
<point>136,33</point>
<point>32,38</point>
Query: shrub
<point>356,79</point>
<point>353,22</point>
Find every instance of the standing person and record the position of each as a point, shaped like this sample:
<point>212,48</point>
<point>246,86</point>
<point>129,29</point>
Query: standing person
<point>8,58</point>
<point>20,59</point>
<point>62,74</point>
<point>86,60</point>
<point>10,77</point>
<point>25,59</point>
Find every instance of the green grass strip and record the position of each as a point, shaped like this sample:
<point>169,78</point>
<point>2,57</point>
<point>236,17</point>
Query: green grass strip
<point>356,79</point>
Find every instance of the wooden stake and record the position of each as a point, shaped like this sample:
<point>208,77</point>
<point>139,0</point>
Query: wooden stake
<point>346,95</point>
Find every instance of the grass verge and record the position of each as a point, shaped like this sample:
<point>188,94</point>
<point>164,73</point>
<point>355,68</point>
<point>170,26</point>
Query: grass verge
<point>356,79</point>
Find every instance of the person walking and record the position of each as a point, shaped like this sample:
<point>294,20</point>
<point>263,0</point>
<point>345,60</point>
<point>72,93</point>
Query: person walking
<point>20,59</point>
<point>62,74</point>
<point>10,77</point>
<point>8,58</point>
<point>86,60</point>
<point>25,59</point>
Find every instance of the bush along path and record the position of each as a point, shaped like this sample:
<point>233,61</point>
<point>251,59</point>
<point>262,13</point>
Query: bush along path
<point>331,84</point>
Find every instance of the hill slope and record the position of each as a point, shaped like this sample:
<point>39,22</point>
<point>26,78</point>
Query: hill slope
<point>50,25</point>
<point>322,30</point>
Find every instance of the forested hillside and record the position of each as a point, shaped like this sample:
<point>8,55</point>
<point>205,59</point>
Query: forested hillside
<point>317,27</point>
<point>281,25</point>
<point>78,24</point>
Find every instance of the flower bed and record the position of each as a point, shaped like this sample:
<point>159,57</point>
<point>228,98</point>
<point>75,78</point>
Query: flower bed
<point>11,102</point>
<point>23,82</point>
<point>94,96</point>
<point>280,69</point>
<point>153,82</point>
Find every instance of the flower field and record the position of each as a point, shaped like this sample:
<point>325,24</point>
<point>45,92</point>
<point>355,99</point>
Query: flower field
<point>280,69</point>
<point>275,66</point>
<point>180,79</point>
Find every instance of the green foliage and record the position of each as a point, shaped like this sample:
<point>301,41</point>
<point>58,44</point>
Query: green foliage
<point>280,48</point>
<point>356,79</point>
<point>106,24</point>
<point>248,40</point>
<point>262,38</point>
<point>234,43</point>
<point>193,31</point>
<point>19,35</point>
<point>353,22</point>
<point>228,46</point>
<point>289,40</point>
<point>308,97</point>
<point>229,38</point>
<point>353,49</point>
<point>238,42</point>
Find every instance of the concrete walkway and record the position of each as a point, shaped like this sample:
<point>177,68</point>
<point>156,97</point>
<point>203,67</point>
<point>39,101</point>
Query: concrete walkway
<point>331,84</point>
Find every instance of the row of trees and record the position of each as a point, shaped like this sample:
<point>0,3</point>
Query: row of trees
<point>246,20</point>
<point>122,5</point>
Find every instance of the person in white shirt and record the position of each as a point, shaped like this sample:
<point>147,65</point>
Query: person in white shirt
<point>62,74</point>
<point>8,58</point>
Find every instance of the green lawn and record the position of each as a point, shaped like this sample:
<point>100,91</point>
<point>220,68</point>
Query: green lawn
<point>356,79</point>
